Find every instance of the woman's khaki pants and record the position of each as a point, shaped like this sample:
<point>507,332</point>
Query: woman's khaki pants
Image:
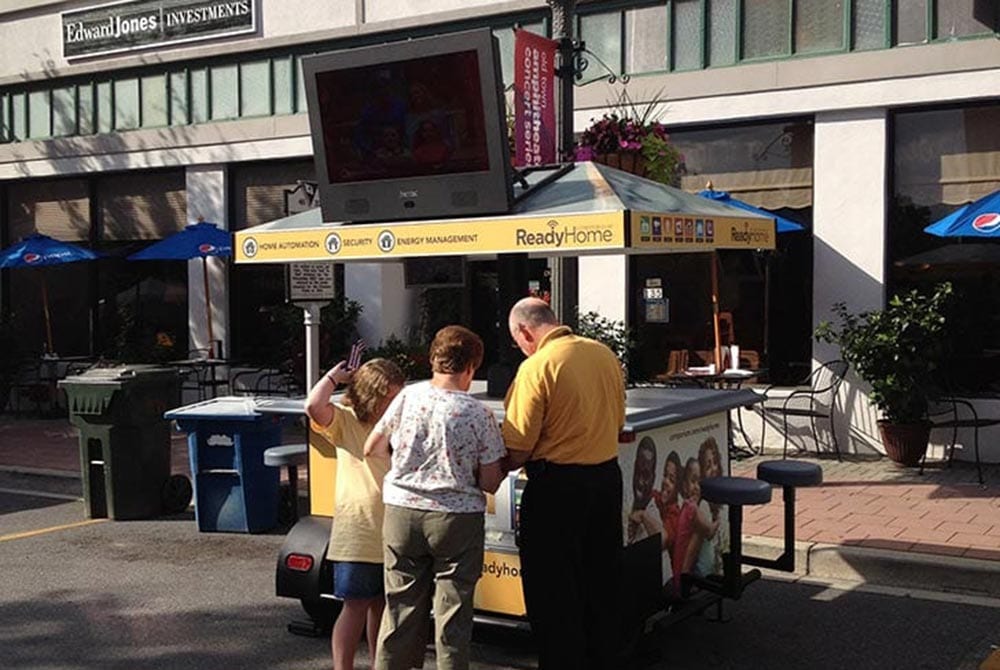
<point>429,557</point>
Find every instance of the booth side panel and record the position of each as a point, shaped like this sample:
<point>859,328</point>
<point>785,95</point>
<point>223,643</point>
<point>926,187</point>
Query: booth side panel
<point>661,472</point>
<point>322,475</point>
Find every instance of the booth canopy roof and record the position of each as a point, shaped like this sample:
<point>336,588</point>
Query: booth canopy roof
<point>592,209</point>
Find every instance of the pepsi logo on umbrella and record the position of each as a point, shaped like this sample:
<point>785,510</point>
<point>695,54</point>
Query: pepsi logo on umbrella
<point>206,248</point>
<point>986,223</point>
<point>31,258</point>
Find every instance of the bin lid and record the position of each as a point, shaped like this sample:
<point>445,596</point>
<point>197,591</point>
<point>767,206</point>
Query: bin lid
<point>233,408</point>
<point>118,374</point>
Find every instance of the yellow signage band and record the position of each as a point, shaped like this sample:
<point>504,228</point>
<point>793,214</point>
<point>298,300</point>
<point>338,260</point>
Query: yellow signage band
<point>603,231</point>
<point>685,232</point>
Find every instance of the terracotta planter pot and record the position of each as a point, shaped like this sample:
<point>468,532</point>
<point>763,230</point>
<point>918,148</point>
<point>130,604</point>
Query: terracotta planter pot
<point>905,443</point>
<point>627,161</point>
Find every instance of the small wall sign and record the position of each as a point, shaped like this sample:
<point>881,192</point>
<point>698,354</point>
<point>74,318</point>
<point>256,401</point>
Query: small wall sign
<point>310,282</point>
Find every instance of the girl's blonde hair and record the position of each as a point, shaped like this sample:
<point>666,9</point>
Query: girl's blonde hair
<point>370,386</point>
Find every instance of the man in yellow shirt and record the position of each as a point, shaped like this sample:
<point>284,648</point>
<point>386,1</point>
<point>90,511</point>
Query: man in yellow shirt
<point>564,411</point>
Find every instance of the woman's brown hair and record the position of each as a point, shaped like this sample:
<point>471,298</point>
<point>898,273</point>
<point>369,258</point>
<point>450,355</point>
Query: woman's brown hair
<point>454,349</point>
<point>371,384</point>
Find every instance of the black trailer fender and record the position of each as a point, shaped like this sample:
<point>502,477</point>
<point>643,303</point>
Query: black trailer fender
<point>302,570</point>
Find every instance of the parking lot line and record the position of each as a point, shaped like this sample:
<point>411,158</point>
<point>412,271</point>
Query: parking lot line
<point>41,494</point>
<point>50,529</point>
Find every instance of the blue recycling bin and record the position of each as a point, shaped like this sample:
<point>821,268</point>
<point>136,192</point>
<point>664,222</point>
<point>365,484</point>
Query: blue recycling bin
<point>233,490</point>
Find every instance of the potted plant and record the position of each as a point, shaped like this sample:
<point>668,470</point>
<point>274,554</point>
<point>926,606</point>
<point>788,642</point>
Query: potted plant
<point>627,138</point>
<point>897,351</point>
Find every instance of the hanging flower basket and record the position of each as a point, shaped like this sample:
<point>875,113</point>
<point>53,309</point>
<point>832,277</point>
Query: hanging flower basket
<point>641,148</point>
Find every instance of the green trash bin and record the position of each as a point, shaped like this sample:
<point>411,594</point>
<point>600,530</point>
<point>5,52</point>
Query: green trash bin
<point>125,441</point>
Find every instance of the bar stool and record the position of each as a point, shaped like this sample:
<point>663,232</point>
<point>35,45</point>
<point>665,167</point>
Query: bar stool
<point>734,492</point>
<point>789,475</point>
<point>290,456</point>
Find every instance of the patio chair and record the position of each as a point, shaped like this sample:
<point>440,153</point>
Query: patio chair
<point>948,411</point>
<point>815,397</point>
<point>29,384</point>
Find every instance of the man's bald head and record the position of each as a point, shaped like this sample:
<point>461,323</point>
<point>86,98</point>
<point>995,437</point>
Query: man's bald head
<point>530,319</point>
<point>533,312</point>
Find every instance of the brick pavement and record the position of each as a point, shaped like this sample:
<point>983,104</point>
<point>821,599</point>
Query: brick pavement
<point>872,502</point>
<point>864,502</point>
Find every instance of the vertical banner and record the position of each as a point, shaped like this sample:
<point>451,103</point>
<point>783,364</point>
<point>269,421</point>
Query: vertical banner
<point>534,98</point>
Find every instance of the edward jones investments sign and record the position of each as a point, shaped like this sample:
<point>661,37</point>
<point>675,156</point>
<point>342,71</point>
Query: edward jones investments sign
<point>125,26</point>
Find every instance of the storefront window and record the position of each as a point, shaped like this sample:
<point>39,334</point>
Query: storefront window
<point>143,312</point>
<point>260,321</point>
<point>943,159</point>
<point>767,295</point>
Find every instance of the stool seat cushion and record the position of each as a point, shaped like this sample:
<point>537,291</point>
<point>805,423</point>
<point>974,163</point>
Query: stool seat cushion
<point>790,473</point>
<point>286,454</point>
<point>735,491</point>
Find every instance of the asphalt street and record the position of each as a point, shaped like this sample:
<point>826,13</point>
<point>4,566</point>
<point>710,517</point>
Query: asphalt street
<point>159,594</point>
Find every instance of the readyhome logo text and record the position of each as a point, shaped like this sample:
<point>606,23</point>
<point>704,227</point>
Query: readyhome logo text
<point>557,237</point>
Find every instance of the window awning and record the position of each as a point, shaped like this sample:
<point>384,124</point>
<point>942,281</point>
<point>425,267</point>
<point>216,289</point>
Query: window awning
<point>592,209</point>
<point>768,189</point>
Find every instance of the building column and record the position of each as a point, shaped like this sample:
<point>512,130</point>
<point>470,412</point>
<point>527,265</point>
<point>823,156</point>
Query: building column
<point>387,305</point>
<point>207,199</point>
<point>850,176</point>
<point>603,285</point>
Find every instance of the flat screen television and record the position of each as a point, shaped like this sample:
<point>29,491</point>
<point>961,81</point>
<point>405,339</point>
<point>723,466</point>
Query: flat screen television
<point>410,130</point>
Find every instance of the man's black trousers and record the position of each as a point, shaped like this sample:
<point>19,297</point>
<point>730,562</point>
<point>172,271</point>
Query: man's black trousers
<point>570,539</point>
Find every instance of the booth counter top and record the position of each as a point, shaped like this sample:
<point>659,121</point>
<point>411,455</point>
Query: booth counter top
<point>645,408</point>
<point>652,407</point>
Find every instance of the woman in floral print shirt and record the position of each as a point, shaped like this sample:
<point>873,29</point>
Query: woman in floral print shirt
<point>445,452</point>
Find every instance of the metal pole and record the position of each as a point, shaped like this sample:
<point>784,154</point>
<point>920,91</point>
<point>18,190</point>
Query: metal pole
<point>310,317</point>
<point>564,270</point>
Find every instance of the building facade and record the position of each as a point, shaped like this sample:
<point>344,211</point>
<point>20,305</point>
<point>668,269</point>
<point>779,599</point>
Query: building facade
<point>862,120</point>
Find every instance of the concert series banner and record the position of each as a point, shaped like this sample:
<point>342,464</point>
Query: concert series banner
<point>534,99</point>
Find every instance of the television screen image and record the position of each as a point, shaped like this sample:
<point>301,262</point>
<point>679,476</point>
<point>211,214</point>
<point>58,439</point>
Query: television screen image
<point>410,130</point>
<point>404,119</point>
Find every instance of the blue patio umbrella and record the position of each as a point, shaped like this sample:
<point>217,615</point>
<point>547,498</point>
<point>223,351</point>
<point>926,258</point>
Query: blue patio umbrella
<point>198,240</point>
<point>784,225</point>
<point>39,251</point>
<point>980,218</point>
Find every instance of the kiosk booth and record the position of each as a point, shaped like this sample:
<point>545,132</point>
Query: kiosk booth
<point>582,208</point>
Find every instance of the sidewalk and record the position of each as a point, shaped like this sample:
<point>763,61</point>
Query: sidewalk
<point>871,520</point>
